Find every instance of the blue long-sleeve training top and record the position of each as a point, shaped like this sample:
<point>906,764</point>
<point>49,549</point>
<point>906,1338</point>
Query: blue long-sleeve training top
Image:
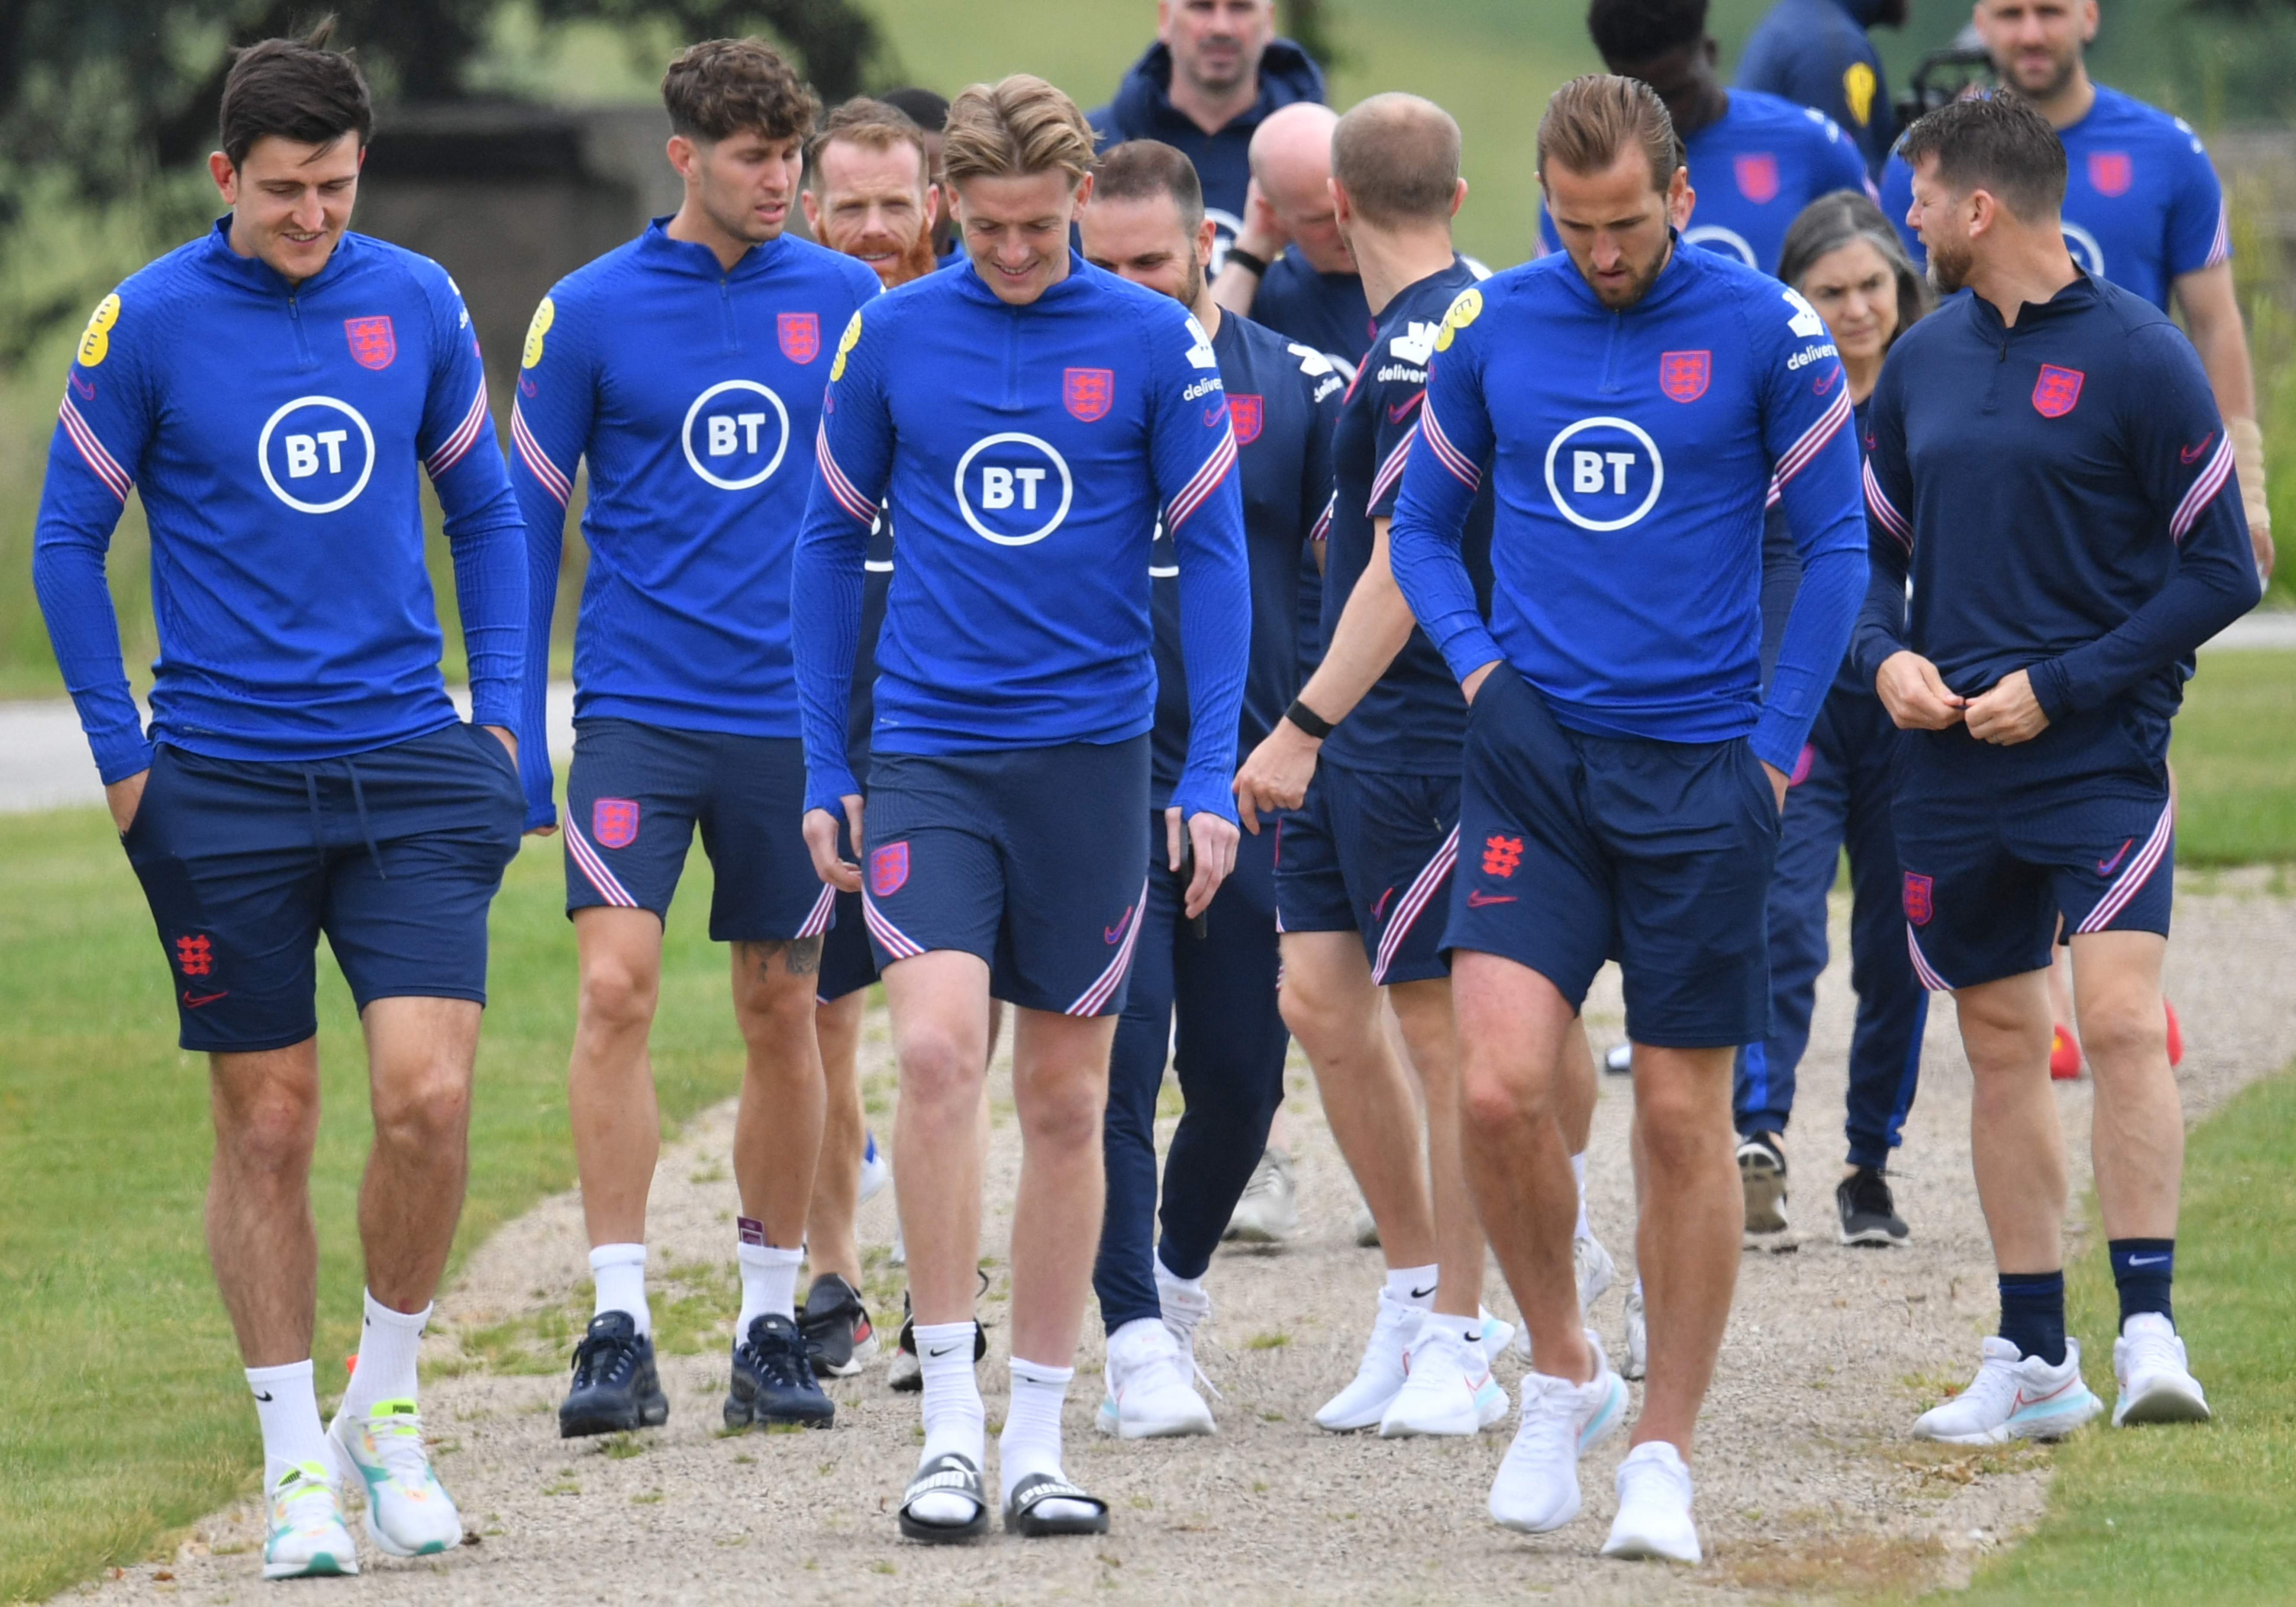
<point>1633,454</point>
<point>693,392</point>
<point>2143,207</point>
<point>274,432</point>
<point>2062,491</point>
<point>1028,452</point>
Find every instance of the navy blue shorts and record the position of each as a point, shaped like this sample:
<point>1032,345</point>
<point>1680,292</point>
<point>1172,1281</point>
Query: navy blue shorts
<point>1989,870</point>
<point>395,854</point>
<point>634,795</point>
<point>1580,849</point>
<point>848,962</point>
<point>1031,858</point>
<point>1371,851</point>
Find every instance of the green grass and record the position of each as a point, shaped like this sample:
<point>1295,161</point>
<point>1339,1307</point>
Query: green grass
<point>2234,749</point>
<point>122,1413</point>
<point>2201,1514</point>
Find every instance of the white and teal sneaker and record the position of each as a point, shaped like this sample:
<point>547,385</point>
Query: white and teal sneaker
<point>2014,1396</point>
<point>307,1539</point>
<point>1448,1388</point>
<point>409,1512</point>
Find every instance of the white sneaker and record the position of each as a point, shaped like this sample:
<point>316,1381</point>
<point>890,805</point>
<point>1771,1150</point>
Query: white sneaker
<point>1637,1335</point>
<point>307,1538</point>
<point>1150,1396</point>
<point>2148,1359</point>
<point>1380,1373</point>
<point>2014,1396</point>
<point>1268,1212</point>
<point>876,1169</point>
<point>1499,1336</point>
<point>1448,1388</point>
<point>408,1513</point>
<point>1537,1486</point>
<point>1595,1270</point>
<point>1619,1060</point>
<point>1653,1517</point>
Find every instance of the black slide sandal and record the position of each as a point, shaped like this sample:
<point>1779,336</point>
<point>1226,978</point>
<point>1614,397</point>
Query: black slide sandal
<point>1021,1513</point>
<point>950,1474</point>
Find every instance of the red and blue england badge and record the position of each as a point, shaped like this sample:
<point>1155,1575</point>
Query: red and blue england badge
<point>1918,906</point>
<point>1684,375</point>
<point>2056,390</point>
<point>373,343</point>
<point>614,822</point>
<point>1088,392</point>
<point>1756,172</point>
<point>801,336</point>
<point>2111,172</point>
<point>1245,409</point>
<point>889,869</point>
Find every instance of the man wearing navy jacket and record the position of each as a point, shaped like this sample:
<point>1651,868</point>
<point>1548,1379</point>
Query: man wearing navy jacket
<point>2049,467</point>
<point>271,390</point>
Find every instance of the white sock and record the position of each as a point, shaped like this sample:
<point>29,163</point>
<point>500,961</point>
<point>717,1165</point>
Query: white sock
<point>955,1422</point>
<point>768,1277</point>
<point>389,1342</point>
<point>1031,1441</point>
<point>618,1273</point>
<point>1584,1230</point>
<point>288,1413</point>
<point>1413,1286</point>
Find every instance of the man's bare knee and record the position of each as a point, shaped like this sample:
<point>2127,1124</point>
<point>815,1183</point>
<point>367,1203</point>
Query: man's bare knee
<point>1678,1123</point>
<point>940,1072</point>
<point>1064,1113</point>
<point>617,994</point>
<point>2126,1031</point>
<point>424,1111</point>
<point>1494,1096</point>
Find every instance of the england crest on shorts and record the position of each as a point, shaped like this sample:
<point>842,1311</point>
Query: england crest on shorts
<point>889,869</point>
<point>1684,375</point>
<point>2056,390</point>
<point>1088,392</point>
<point>1246,410</point>
<point>374,344</point>
<point>800,335</point>
<point>614,822</point>
<point>1918,906</point>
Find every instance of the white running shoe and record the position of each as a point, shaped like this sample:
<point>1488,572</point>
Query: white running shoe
<point>1448,1388</point>
<point>1537,1486</point>
<point>1268,1212</point>
<point>1380,1373</point>
<point>1595,1270</point>
<point>2014,1396</point>
<point>1637,1335</point>
<point>1653,1517</point>
<point>1619,1060</point>
<point>308,1537</point>
<point>2148,1359</point>
<point>1499,1336</point>
<point>1150,1396</point>
<point>408,1513</point>
<point>876,1169</point>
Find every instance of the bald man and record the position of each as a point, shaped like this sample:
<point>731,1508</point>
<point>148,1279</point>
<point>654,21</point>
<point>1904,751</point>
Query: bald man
<point>1288,266</point>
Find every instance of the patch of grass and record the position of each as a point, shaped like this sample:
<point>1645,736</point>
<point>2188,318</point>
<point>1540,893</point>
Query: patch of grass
<point>2189,1514</point>
<point>125,1414</point>
<point>1268,1342</point>
<point>2235,750</point>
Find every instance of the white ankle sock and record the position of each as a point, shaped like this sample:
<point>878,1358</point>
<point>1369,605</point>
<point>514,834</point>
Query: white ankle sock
<point>768,1277</point>
<point>1578,1176</point>
<point>288,1413</point>
<point>955,1422</point>
<point>389,1342</point>
<point>1413,1286</point>
<point>617,1274</point>
<point>1031,1441</point>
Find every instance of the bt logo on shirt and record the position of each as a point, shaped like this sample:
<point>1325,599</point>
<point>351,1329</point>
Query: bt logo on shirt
<point>316,454</point>
<point>743,432</point>
<point>1013,489</point>
<point>1605,473</point>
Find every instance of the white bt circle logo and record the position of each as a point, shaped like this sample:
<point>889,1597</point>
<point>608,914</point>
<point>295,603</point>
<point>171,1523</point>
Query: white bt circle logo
<point>743,431</point>
<point>1605,473</point>
<point>316,454</point>
<point>1006,489</point>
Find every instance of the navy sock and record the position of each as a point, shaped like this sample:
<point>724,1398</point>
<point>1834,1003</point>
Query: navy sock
<point>2033,1313</point>
<point>2142,1268</point>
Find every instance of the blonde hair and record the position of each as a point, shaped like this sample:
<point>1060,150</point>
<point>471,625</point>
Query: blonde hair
<point>1019,126</point>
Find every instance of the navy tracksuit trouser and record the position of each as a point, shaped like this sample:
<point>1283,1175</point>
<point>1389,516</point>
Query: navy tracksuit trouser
<point>1842,801</point>
<point>1229,1054</point>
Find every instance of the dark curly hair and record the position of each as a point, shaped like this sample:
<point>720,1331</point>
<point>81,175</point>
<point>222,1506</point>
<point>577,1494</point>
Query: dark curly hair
<point>1642,31</point>
<point>721,87</point>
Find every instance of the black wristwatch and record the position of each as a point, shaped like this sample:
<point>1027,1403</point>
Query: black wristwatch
<point>1256,265</point>
<point>1315,724</point>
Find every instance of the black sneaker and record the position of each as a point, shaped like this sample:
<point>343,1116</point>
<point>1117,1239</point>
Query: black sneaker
<point>907,1373</point>
<point>838,1338</point>
<point>773,1382</point>
<point>1762,1173</point>
<point>615,1387</point>
<point>1868,1215</point>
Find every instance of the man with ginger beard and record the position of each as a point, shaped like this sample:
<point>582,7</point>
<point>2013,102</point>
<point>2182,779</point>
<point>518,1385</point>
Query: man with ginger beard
<point>870,192</point>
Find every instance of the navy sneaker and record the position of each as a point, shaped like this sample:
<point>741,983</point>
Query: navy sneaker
<point>615,1387</point>
<point>838,1338</point>
<point>772,1379</point>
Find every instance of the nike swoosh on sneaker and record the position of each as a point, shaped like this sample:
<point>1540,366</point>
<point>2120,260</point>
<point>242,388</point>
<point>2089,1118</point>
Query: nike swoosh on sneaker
<point>2024,1401</point>
<point>1477,898</point>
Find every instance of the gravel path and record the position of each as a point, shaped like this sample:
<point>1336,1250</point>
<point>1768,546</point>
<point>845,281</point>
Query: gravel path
<point>1806,1480</point>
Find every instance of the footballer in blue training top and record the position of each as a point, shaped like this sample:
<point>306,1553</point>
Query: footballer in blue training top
<point>1631,405</point>
<point>1815,53</point>
<point>686,369</point>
